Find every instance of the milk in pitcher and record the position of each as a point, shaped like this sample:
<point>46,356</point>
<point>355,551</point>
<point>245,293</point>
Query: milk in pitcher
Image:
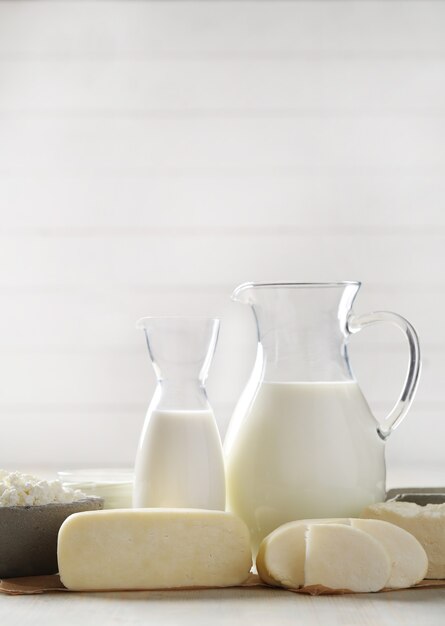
<point>302,442</point>
<point>303,450</point>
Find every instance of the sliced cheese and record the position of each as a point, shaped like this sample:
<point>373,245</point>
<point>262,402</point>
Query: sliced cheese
<point>153,549</point>
<point>409,562</point>
<point>342,557</point>
<point>426,523</point>
<point>281,556</point>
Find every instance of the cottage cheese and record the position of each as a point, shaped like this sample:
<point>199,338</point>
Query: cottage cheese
<point>18,489</point>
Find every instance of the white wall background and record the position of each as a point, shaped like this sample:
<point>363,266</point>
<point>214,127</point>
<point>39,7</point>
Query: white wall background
<point>153,155</point>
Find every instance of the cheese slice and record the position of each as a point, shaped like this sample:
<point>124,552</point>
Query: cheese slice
<point>426,523</point>
<point>342,557</point>
<point>409,562</point>
<point>282,554</point>
<point>153,549</point>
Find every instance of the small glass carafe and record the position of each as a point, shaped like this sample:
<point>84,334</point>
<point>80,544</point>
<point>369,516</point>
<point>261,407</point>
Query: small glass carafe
<point>179,462</point>
<point>302,442</point>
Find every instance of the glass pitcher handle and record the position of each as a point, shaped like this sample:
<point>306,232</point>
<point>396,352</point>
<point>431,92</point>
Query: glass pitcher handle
<point>400,409</point>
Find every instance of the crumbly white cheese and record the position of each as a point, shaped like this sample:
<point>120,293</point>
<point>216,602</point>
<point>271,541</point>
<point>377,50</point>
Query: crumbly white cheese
<point>17,489</point>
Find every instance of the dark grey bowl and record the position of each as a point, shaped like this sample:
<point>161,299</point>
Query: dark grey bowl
<point>28,536</point>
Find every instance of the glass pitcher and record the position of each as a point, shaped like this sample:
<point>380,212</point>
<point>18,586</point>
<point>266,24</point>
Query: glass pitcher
<point>302,442</point>
<point>179,462</point>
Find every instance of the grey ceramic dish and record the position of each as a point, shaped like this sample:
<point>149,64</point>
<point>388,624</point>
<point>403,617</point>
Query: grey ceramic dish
<point>28,536</point>
<point>418,495</point>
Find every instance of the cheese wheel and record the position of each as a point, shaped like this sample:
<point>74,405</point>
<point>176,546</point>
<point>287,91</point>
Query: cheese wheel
<point>292,555</point>
<point>342,557</point>
<point>153,549</point>
<point>426,523</point>
<point>409,562</point>
<point>281,555</point>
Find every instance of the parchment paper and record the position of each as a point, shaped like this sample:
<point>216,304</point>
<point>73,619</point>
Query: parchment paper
<point>50,584</point>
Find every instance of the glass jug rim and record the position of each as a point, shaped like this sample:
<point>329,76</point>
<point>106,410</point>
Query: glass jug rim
<point>250,285</point>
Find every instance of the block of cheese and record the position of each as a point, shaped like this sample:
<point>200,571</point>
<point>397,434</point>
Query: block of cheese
<point>342,557</point>
<point>426,523</point>
<point>153,549</point>
<point>282,554</point>
<point>409,562</point>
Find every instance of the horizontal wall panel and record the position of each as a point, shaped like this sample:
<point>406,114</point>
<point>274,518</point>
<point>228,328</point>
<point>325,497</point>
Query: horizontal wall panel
<point>60,145</point>
<point>58,321</point>
<point>103,360</point>
<point>160,261</point>
<point>62,439</point>
<point>136,28</point>
<point>116,378</point>
<point>418,441</point>
<point>94,380</point>
<point>97,380</point>
<point>280,87</point>
<point>314,203</point>
<point>109,438</point>
<point>419,474</point>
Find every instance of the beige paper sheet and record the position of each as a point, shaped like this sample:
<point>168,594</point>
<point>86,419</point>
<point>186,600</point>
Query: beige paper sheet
<point>49,584</point>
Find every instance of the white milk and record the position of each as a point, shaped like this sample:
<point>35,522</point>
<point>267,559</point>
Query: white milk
<point>179,462</point>
<point>303,450</point>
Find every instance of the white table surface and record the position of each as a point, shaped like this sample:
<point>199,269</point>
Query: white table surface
<point>423,607</point>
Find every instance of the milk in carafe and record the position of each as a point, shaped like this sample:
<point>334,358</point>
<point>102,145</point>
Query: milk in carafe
<point>180,462</point>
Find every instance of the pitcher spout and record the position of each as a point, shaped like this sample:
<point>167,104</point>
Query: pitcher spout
<point>243,293</point>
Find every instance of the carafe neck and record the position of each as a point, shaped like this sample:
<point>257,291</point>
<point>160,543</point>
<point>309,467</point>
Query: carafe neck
<point>184,395</point>
<point>181,350</point>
